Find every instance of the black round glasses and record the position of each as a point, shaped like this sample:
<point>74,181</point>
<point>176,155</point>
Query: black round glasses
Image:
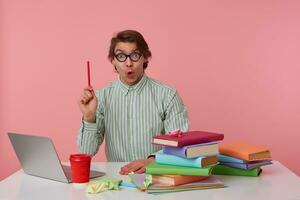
<point>134,56</point>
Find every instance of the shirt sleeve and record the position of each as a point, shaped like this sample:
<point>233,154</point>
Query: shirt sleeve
<point>176,116</point>
<point>91,135</point>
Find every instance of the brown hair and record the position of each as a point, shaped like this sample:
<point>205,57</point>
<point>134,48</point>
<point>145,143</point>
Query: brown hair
<point>130,36</point>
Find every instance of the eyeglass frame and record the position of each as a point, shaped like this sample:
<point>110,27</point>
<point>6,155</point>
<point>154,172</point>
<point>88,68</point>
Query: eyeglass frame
<point>128,56</point>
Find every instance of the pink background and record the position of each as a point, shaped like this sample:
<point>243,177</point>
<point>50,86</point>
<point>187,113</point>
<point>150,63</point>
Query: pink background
<point>235,64</point>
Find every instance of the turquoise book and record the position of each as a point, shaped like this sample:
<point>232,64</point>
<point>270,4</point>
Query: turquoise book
<point>155,168</point>
<point>199,162</point>
<point>224,158</point>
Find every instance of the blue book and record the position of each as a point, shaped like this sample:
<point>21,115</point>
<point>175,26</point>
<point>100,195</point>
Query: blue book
<point>168,159</point>
<point>249,165</point>
<point>193,151</point>
<point>224,158</point>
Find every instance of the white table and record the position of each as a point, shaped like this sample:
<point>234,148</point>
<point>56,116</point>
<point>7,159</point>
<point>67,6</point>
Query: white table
<point>275,182</point>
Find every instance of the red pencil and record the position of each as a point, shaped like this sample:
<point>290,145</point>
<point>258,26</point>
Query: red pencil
<point>89,73</point>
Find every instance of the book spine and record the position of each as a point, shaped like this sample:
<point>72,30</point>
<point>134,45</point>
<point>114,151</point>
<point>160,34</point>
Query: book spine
<point>194,140</point>
<point>224,158</point>
<point>236,165</point>
<point>175,151</point>
<point>226,170</point>
<point>179,161</point>
<point>235,154</point>
<point>179,171</point>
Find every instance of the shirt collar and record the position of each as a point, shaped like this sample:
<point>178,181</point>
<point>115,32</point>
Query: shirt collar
<point>137,87</point>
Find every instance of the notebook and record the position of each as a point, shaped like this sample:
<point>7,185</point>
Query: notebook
<point>38,157</point>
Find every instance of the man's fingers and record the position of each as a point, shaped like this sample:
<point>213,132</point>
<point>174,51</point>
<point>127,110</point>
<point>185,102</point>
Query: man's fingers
<point>83,100</point>
<point>125,168</point>
<point>89,93</point>
<point>131,167</point>
<point>86,97</point>
<point>90,89</point>
<point>136,167</point>
<point>140,171</point>
<point>128,168</point>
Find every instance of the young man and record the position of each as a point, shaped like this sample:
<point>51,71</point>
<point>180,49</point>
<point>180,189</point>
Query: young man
<point>129,111</point>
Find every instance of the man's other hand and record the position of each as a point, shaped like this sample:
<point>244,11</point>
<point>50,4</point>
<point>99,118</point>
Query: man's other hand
<point>136,166</point>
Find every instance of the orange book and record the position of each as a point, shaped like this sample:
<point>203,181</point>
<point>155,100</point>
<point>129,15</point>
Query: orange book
<point>174,180</point>
<point>248,152</point>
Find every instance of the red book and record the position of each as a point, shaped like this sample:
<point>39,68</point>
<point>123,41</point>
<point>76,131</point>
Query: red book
<point>187,138</point>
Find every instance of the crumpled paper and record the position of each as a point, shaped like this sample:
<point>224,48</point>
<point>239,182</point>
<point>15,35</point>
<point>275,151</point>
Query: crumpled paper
<point>102,185</point>
<point>142,181</point>
<point>148,180</point>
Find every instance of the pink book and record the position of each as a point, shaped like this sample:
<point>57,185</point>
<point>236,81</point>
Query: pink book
<point>186,138</point>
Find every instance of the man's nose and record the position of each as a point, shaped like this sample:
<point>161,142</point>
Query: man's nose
<point>128,62</point>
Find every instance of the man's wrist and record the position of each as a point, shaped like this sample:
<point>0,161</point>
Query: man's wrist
<point>89,119</point>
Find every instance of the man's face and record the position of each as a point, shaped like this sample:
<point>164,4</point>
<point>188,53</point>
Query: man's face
<point>129,68</point>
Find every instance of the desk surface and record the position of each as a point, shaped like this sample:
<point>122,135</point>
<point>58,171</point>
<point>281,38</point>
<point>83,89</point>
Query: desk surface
<point>275,182</point>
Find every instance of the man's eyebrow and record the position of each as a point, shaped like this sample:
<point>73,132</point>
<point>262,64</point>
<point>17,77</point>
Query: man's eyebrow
<point>136,50</point>
<point>118,50</point>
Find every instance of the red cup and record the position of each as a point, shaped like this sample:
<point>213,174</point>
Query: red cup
<point>80,167</point>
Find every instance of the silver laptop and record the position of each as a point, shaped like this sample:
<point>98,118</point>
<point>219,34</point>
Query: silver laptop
<point>38,157</point>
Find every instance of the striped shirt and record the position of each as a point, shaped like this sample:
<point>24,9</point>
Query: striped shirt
<point>128,116</point>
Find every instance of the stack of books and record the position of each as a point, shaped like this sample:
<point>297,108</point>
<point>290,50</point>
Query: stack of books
<point>185,163</point>
<point>242,159</point>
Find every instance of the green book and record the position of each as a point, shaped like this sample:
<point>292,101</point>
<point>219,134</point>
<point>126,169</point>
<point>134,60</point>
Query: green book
<point>155,168</point>
<point>226,170</point>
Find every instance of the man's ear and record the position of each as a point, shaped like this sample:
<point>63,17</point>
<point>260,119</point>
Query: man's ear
<point>113,62</point>
<point>116,70</point>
